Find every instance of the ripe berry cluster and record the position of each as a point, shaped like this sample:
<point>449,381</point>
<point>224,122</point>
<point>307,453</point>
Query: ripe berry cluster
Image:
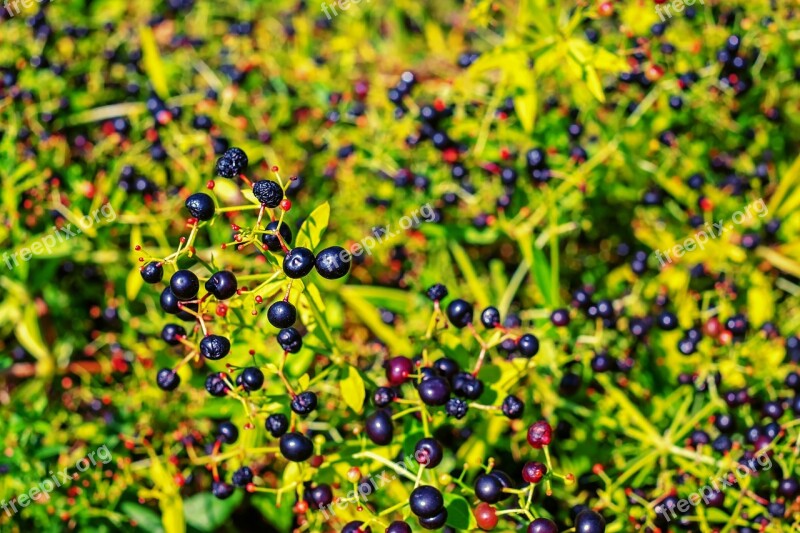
<point>211,335</point>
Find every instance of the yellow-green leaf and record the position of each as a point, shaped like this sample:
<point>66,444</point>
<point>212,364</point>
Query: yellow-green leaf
<point>352,387</point>
<point>153,65</point>
<point>594,84</point>
<point>311,231</point>
<point>525,106</point>
<point>29,336</point>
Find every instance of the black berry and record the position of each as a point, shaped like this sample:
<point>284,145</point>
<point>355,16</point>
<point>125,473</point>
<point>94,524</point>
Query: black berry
<point>200,206</point>
<point>460,313</point>
<point>167,379</point>
<point>380,427</point>
<point>296,447</point>
<point>282,314</point>
<point>232,163</point>
<point>222,284</point>
<point>268,193</point>
<point>184,284</point>
<point>152,272</point>
<point>333,262</point>
<point>426,501</point>
<point>434,391</point>
<point>215,347</point>
<point>277,425</point>
<point>304,403</point>
<point>272,242</point>
<point>298,262</point>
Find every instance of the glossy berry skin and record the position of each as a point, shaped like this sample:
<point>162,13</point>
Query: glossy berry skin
<point>540,434</point>
<point>215,386</point>
<point>242,477</point>
<point>298,262</point>
<point>457,408</point>
<point>434,391</point>
<point>490,317</point>
<point>789,488</point>
<point>437,292</point>
<point>333,262</point>
<point>459,313</point>
<point>277,425</point>
<point>221,490</point>
<point>398,527</point>
<point>533,471</point>
<point>200,206</point>
<point>380,428</point>
<point>355,527</point>
<point>222,284</point>
<point>434,522</point>
<point>227,433</point>
<point>290,340</point>
<point>321,495</point>
<point>489,488</point>
<point>560,318</point>
<point>428,452</point>
<point>268,193</point>
<point>446,367</point>
<point>282,314</point>
<point>398,369</point>
<point>542,525</point>
<point>513,407</point>
<point>485,516</point>
<point>232,163</point>
<point>589,521</point>
<point>215,347</point>
<point>304,403</point>
<point>528,345</point>
<point>272,242</point>
<point>296,447</point>
<point>383,396</point>
<point>252,378</point>
<point>467,386</point>
<point>426,501</point>
<point>172,333</point>
<point>152,272</point>
<point>667,321</point>
<point>167,379</point>
<point>168,301</point>
<point>184,284</point>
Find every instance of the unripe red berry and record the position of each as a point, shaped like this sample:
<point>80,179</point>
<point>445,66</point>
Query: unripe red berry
<point>540,434</point>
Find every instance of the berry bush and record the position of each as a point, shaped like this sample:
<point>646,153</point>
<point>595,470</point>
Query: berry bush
<point>400,266</point>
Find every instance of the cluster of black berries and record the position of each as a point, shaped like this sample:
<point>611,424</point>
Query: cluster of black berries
<point>181,298</point>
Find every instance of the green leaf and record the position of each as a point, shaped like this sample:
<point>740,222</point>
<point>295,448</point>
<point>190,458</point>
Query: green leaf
<point>458,512</point>
<point>30,337</point>
<point>204,512</point>
<point>526,107</point>
<point>464,263</point>
<point>370,316</point>
<point>311,231</point>
<point>352,387</point>
<point>276,516</point>
<point>594,84</point>
<point>145,519</point>
<point>153,65</point>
